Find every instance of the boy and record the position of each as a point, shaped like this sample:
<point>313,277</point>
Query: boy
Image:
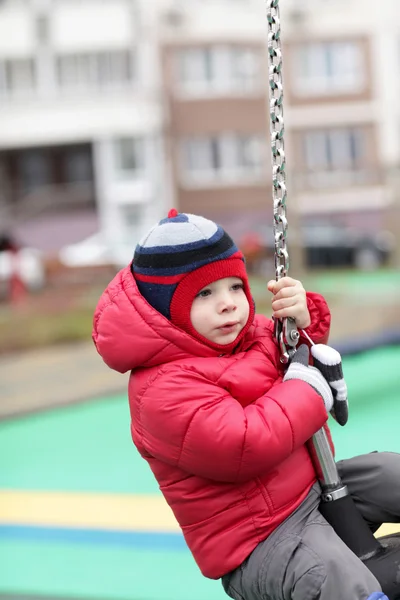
<point>221,425</point>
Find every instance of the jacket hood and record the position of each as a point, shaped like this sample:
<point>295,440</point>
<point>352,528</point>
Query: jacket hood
<point>129,333</point>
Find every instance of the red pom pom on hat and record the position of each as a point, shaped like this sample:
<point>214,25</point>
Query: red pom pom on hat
<point>172,213</point>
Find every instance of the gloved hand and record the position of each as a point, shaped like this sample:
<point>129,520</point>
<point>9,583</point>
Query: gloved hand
<point>329,362</point>
<point>300,369</point>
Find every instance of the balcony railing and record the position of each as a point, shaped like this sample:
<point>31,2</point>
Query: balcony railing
<point>54,198</point>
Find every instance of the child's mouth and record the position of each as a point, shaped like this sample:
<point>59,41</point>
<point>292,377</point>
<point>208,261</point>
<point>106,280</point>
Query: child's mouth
<point>228,327</point>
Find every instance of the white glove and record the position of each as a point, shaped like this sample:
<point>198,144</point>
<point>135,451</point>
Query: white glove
<point>300,369</point>
<point>329,362</point>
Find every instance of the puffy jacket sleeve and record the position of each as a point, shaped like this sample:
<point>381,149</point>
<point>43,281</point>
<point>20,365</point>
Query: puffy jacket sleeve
<point>197,426</point>
<point>320,314</point>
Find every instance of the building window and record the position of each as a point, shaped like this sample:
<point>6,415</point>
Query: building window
<point>225,158</point>
<point>129,156</point>
<point>133,221</point>
<point>34,170</point>
<point>218,70</point>
<point>335,157</point>
<point>133,216</point>
<point>328,68</point>
<point>100,70</point>
<point>17,77</point>
<point>42,29</point>
<point>78,166</point>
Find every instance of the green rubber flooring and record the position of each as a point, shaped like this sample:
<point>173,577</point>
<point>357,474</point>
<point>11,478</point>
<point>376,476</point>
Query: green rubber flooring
<point>87,447</point>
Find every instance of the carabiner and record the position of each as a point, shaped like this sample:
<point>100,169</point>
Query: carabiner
<point>287,335</point>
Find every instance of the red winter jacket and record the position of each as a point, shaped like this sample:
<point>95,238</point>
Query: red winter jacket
<point>223,435</point>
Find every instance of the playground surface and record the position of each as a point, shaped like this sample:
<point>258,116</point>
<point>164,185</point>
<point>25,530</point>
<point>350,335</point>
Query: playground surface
<point>81,516</point>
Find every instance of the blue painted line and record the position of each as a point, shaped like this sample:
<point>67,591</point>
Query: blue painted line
<point>134,539</point>
<point>388,337</point>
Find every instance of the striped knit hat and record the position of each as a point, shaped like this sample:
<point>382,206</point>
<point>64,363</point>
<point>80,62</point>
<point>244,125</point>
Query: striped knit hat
<point>177,258</point>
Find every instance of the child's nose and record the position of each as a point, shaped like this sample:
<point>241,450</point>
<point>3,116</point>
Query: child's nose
<point>227,303</point>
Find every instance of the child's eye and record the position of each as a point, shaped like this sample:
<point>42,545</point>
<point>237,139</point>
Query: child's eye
<point>203,294</point>
<point>238,286</point>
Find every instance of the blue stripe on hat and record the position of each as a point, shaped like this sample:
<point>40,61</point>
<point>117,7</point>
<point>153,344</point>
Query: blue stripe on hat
<point>168,271</point>
<point>160,295</point>
<point>180,218</point>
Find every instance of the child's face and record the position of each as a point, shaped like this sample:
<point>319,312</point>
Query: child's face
<point>220,310</point>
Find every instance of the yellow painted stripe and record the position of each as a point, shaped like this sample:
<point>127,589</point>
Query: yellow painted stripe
<point>387,529</point>
<point>97,511</point>
<point>87,511</point>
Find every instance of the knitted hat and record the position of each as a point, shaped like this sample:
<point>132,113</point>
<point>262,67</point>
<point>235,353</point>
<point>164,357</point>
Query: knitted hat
<point>177,258</point>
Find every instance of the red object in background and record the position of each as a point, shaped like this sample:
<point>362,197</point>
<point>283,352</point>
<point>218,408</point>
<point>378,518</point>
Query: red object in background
<point>251,243</point>
<point>17,290</point>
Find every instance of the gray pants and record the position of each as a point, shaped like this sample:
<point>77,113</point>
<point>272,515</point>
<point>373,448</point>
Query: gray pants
<point>304,559</point>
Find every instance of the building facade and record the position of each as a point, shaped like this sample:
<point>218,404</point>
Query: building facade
<point>118,109</point>
<point>215,80</point>
<point>81,123</point>
<point>341,141</point>
<point>340,59</point>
